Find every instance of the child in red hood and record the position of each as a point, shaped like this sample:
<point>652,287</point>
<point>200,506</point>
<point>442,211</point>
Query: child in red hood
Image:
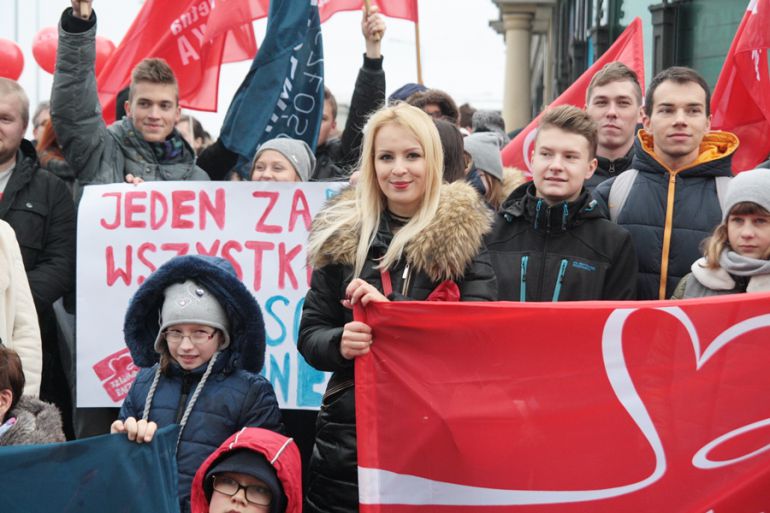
<point>253,471</point>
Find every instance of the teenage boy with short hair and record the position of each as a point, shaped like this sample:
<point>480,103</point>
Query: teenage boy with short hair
<point>549,242</point>
<point>614,102</point>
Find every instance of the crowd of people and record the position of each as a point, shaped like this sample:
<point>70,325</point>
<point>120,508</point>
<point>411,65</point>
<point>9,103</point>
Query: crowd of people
<point>614,211</point>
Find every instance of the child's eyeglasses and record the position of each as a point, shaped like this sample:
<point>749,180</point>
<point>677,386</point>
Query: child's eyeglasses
<point>196,337</point>
<point>256,494</point>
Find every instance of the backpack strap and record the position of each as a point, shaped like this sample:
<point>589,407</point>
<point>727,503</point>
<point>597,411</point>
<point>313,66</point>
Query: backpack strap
<point>722,182</point>
<point>619,191</point>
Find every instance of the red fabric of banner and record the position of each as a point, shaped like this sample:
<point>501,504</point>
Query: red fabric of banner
<point>741,99</point>
<point>595,406</point>
<point>176,30</point>
<point>628,48</point>
<point>404,9</point>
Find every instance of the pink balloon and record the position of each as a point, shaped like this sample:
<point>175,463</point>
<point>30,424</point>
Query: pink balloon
<point>44,48</point>
<point>104,49</point>
<point>11,59</point>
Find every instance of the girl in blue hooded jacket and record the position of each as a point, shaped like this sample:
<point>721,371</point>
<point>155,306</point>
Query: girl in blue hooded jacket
<point>198,335</point>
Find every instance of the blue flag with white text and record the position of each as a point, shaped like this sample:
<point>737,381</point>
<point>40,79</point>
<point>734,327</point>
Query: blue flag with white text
<point>106,473</point>
<point>282,94</point>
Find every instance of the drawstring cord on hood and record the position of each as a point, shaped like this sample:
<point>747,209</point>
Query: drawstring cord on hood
<point>190,404</point>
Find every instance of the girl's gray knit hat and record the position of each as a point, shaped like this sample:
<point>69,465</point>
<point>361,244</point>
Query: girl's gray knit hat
<point>753,186</point>
<point>189,303</point>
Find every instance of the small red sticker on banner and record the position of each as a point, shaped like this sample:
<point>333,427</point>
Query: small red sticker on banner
<point>117,373</point>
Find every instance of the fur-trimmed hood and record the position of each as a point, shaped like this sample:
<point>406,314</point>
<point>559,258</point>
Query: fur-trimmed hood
<point>37,422</point>
<point>247,329</point>
<point>443,249</point>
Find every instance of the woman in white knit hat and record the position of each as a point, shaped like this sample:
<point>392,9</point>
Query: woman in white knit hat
<point>737,255</point>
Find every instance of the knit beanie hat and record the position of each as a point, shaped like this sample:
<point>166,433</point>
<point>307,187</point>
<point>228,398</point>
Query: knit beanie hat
<point>753,186</point>
<point>189,303</point>
<point>297,152</point>
<point>405,91</point>
<point>490,121</point>
<point>484,149</point>
<point>251,463</point>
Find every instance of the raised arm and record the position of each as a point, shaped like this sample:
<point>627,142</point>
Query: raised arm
<point>369,92</point>
<point>75,110</point>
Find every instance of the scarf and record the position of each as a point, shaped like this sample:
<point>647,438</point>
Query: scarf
<point>739,265</point>
<point>169,151</point>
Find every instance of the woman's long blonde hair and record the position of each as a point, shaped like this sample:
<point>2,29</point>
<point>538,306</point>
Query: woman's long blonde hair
<point>719,240</point>
<point>362,213</point>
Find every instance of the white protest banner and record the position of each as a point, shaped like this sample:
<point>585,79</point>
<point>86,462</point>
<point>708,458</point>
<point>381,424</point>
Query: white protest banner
<point>125,232</point>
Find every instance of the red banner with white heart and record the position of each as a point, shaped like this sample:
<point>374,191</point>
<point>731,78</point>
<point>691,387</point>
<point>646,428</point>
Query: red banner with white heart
<point>590,406</point>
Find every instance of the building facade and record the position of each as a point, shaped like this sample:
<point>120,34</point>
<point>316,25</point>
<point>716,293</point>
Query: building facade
<point>549,43</point>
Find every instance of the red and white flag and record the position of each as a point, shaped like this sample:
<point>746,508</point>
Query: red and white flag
<point>404,9</point>
<point>194,37</point>
<point>741,99</point>
<point>591,406</point>
<point>628,48</point>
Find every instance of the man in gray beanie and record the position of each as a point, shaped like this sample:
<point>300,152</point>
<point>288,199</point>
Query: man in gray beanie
<point>277,158</point>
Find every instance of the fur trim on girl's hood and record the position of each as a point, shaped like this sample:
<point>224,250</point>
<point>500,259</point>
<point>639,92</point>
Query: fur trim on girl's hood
<point>247,329</point>
<point>280,451</point>
<point>442,251</point>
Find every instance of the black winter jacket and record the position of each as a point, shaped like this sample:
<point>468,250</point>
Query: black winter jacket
<point>442,247</point>
<point>609,169</point>
<point>669,213</point>
<point>39,208</point>
<point>567,252</point>
<point>336,158</point>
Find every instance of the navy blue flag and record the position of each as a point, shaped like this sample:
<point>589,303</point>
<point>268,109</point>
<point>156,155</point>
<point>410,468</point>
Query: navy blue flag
<point>105,473</point>
<point>282,95</point>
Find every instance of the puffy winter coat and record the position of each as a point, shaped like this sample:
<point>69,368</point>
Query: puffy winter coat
<point>99,154</point>
<point>233,397</point>
<point>566,252</point>
<point>280,451</point>
<point>37,423</point>
<point>669,213</point>
<point>450,248</point>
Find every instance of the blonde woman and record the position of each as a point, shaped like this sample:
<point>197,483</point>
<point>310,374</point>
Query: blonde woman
<point>399,234</point>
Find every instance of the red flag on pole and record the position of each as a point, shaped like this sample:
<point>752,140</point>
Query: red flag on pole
<point>404,9</point>
<point>628,48</point>
<point>587,406</point>
<point>741,99</point>
<point>177,31</point>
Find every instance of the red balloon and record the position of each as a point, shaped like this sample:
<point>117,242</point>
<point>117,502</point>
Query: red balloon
<point>104,48</point>
<point>44,48</point>
<point>11,59</point>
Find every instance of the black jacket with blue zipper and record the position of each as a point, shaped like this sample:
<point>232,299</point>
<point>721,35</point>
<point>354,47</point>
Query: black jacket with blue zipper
<point>565,252</point>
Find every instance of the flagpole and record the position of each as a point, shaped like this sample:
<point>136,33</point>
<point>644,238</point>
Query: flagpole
<point>417,48</point>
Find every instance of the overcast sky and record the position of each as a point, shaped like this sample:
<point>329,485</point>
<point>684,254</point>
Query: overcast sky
<point>461,53</point>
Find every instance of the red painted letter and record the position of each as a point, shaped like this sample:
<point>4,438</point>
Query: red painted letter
<point>216,210</point>
<point>179,208</point>
<point>259,248</point>
<point>261,226</point>
<point>116,222</point>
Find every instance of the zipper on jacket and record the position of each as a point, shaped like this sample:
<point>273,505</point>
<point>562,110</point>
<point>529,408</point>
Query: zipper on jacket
<point>559,280</point>
<point>611,169</point>
<point>523,280</point>
<point>186,387</point>
<point>406,277</point>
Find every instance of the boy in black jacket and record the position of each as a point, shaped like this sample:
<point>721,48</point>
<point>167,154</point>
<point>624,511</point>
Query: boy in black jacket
<point>549,242</point>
